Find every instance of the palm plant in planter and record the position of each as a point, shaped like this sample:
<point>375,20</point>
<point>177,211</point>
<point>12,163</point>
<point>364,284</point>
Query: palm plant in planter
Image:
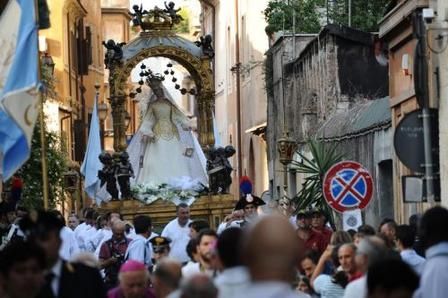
<point>314,167</point>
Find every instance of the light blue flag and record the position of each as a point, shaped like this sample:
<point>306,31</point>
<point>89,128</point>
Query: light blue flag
<point>91,164</point>
<point>19,101</point>
<point>216,133</point>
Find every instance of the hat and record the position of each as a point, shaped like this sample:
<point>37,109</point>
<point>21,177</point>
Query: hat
<point>131,266</point>
<point>304,213</point>
<point>320,211</point>
<point>159,243</point>
<point>247,198</point>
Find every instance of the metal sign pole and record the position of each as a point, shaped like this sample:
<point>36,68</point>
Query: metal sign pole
<point>420,33</point>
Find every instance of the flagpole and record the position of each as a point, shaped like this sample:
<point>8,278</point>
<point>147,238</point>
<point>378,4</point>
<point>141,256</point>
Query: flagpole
<point>43,145</point>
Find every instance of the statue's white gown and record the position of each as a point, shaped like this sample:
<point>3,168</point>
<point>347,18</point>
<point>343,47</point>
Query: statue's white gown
<point>164,155</point>
<point>164,158</point>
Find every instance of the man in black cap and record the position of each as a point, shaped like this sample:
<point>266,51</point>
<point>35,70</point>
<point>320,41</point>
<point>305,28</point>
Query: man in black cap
<point>63,279</point>
<point>318,224</point>
<point>249,204</point>
<point>160,248</point>
<point>303,219</point>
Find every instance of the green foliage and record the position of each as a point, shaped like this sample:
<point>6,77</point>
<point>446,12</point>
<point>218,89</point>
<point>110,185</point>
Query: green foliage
<point>31,171</point>
<point>323,156</point>
<point>184,25</point>
<point>310,15</point>
<point>279,15</point>
<point>365,13</point>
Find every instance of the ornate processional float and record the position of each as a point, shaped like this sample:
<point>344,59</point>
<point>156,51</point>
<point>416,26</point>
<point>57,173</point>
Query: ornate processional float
<point>164,163</point>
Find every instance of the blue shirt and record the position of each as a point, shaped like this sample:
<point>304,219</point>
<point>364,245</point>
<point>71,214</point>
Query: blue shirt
<point>434,280</point>
<point>413,259</point>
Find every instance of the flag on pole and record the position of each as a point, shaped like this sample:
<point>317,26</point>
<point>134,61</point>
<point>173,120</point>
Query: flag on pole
<point>91,163</point>
<point>19,101</point>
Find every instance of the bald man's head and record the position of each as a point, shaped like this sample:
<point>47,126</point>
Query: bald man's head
<point>271,250</point>
<point>118,229</point>
<point>167,276</point>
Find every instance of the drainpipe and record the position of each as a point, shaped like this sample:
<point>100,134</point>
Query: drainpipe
<point>238,90</point>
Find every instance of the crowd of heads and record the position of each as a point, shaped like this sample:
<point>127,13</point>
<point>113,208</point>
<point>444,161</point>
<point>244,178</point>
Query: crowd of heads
<point>270,248</point>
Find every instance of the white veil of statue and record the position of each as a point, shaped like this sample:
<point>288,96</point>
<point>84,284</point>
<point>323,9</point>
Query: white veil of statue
<point>174,160</point>
<point>181,163</point>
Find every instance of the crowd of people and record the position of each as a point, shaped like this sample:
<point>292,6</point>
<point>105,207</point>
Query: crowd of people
<point>248,255</point>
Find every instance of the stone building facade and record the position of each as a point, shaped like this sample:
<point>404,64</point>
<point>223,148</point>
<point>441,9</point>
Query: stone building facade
<point>322,76</point>
<point>396,31</point>
<point>74,43</point>
<point>240,42</point>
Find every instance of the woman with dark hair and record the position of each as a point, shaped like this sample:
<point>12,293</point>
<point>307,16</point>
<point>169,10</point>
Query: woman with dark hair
<point>196,226</point>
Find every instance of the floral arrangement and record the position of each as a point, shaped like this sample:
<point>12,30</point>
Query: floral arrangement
<point>148,193</point>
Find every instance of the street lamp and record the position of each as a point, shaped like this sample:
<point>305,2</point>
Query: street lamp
<point>102,111</point>
<point>48,63</point>
<point>286,147</point>
<point>102,115</point>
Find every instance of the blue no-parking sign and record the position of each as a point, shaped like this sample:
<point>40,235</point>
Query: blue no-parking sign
<point>347,185</point>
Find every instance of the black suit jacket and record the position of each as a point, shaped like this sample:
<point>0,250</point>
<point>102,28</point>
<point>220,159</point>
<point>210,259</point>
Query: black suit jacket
<point>78,281</point>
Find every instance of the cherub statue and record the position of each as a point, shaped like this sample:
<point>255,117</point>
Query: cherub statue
<point>114,52</point>
<point>205,43</point>
<point>124,172</point>
<point>107,174</point>
<point>169,9</point>
<point>220,169</point>
<point>137,16</point>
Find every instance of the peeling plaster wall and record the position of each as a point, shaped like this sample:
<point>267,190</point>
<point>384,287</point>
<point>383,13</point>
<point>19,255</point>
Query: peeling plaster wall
<point>331,71</point>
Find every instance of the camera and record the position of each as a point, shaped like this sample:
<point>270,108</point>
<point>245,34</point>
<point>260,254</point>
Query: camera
<point>118,256</point>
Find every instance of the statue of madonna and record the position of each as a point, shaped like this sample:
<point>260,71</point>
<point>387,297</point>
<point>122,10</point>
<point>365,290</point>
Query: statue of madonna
<point>164,149</point>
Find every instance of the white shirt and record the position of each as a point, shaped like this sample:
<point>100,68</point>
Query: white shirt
<point>57,272</point>
<point>326,288</point>
<point>81,227</point>
<point>190,269</point>
<point>82,233</point>
<point>413,259</point>
<point>106,235</point>
<point>93,242</point>
<point>179,239</point>
<point>232,282</point>
<point>293,221</point>
<point>357,288</point>
<point>434,279</point>
<point>139,249</point>
<point>69,246</point>
<point>271,289</point>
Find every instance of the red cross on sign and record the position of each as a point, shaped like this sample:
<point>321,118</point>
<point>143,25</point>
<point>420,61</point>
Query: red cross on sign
<point>347,185</point>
